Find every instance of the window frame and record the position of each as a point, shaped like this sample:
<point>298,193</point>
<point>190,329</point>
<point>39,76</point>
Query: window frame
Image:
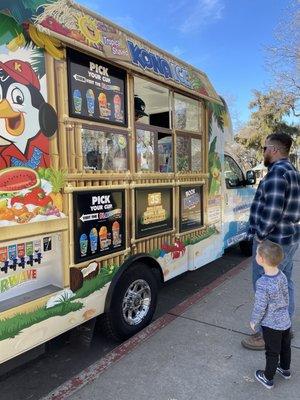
<point>190,136</point>
<point>170,99</point>
<point>200,116</point>
<point>156,130</point>
<point>240,183</point>
<point>106,129</point>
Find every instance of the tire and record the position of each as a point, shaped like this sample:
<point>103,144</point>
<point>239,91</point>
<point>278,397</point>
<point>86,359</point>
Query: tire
<point>246,247</point>
<point>133,303</point>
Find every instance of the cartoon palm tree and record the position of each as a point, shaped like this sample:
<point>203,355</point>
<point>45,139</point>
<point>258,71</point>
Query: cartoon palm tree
<point>13,36</point>
<point>23,10</point>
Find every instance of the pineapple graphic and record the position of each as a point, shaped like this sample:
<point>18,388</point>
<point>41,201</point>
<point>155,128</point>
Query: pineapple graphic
<point>57,178</point>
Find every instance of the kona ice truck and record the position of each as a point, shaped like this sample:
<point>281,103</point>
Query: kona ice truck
<point>113,174</point>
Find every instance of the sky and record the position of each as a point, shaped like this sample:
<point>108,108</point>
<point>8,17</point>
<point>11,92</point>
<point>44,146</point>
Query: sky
<point>226,39</point>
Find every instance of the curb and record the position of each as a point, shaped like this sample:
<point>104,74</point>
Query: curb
<point>92,372</point>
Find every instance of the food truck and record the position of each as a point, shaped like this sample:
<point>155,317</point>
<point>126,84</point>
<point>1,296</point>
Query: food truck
<point>113,175</point>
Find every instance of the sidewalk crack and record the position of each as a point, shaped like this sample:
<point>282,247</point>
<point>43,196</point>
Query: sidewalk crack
<point>209,324</point>
<point>220,327</point>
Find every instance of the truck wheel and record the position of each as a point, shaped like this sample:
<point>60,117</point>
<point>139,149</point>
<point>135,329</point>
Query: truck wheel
<point>133,303</point>
<point>246,247</point>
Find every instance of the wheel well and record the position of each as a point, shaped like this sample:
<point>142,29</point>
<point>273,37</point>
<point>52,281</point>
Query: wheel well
<point>155,268</point>
<point>128,263</point>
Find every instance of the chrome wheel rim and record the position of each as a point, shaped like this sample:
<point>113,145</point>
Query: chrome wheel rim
<point>136,302</point>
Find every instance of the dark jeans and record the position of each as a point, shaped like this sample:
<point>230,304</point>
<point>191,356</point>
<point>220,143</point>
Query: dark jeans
<point>277,343</point>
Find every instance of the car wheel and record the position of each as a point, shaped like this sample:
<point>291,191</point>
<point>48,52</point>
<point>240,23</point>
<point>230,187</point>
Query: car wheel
<point>133,303</point>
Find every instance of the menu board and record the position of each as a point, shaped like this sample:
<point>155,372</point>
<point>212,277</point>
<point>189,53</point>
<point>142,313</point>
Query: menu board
<point>153,211</point>
<point>99,223</point>
<point>96,89</point>
<point>190,208</point>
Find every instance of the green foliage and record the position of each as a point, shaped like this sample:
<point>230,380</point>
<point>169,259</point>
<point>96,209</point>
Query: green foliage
<point>155,253</point>
<point>268,112</point>
<point>38,61</point>
<point>11,327</point>
<point>91,285</point>
<point>214,167</point>
<point>196,82</point>
<point>23,10</point>
<point>9,29</point>
<point>218,112</point>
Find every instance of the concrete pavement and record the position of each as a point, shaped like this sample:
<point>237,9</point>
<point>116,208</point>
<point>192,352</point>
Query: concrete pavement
<point>191,353</point>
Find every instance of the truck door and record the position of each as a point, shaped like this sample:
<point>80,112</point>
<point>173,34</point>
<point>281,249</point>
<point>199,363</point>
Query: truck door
<point>237,202</point>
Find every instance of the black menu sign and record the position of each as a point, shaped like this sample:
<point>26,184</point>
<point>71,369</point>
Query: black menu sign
<point>190,208</point>
<point>99,223</point>
<point>153,211</point>
<point>96,89</point>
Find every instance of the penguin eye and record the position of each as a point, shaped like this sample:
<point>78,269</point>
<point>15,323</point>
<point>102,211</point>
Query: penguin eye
<point>17,96</point>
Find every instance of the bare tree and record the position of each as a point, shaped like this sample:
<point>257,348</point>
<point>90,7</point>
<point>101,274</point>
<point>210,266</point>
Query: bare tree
<point>283,58</point>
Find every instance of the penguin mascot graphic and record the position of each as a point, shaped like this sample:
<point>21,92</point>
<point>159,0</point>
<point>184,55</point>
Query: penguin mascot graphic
<point>26,120</point>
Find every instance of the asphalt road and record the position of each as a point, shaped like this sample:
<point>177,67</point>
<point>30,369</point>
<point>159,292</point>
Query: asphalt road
<point>68,354</point>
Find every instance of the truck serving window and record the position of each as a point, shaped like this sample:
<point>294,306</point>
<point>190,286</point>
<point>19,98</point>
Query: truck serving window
<point>188,125</point>
<point>154,138</point>
<point>187,113</point>
<point>104,149</point>
<point>152,104</point>
<point>154,149</point>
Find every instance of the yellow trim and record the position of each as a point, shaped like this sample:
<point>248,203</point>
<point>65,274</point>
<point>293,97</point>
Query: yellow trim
<point>33,229</point>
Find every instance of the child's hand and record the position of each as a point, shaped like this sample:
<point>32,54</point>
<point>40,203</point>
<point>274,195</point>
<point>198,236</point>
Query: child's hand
<point>252,326</point>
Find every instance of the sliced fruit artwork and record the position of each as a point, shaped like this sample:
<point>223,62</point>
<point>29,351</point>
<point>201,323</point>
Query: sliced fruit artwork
<point>27,195</point>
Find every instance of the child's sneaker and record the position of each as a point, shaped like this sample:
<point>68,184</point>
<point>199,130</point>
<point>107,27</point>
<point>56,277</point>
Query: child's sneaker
<point>260,376</point>
<point>285,373</point>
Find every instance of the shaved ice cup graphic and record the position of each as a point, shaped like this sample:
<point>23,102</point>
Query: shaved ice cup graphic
<point>90,101</point>
<point>117,106</point>
<point>116,233</point>
<point>77,99</point>
<point>102,101</point>
<point>93,240</point>
<point>83,242</point>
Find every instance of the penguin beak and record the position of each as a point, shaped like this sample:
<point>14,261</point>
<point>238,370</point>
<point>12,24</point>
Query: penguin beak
<point>14,121</point>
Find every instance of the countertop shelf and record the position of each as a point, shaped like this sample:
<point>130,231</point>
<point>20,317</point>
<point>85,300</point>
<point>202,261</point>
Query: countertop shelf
<point>12,232</point>
<point>27,297</point>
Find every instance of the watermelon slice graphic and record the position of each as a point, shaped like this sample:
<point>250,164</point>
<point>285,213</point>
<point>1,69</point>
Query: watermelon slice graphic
<point>15,179</point>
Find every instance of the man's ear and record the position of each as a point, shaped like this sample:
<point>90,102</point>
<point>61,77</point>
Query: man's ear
<point>48,119</point>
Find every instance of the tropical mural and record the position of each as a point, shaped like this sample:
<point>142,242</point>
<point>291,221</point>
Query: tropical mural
<point>30,190</point>
<point>65,309</point>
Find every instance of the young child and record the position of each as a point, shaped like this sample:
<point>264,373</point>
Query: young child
<point>270,311</point>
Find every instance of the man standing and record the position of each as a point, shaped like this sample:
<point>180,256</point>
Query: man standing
<point>275,215</point>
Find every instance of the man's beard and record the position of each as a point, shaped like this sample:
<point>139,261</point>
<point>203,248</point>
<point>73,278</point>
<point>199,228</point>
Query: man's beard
<point>267,161</point>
